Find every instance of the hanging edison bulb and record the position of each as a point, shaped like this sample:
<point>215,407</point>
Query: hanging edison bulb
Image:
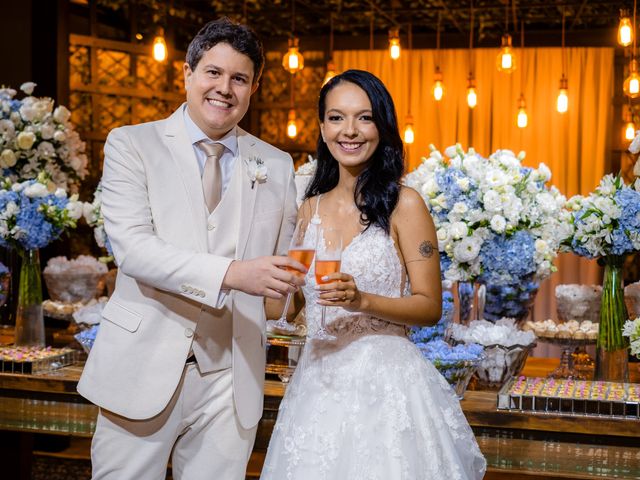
<point>631,84</point>
<point>293,60</point>
<point>472,95</point>
<point>159,46</point>
<point>506,60</point>
<point>522,119</point>
<point>629,131</point>
<point>438,85</point>
<point>409,135</point>
<point>625,30</point>
<point>562,103</point>
<point>292,127</point>
<point>331,72</point>
<point>394,43</point>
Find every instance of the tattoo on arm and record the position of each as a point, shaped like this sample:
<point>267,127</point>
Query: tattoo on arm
<point>426,249</point>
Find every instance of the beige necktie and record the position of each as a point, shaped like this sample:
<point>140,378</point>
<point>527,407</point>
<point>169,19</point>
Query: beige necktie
<point>212,175</point>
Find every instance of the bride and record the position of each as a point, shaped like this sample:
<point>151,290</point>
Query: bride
<point>368,405</point>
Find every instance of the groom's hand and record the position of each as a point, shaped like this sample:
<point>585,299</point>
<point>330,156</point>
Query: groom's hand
<point>271,277</point>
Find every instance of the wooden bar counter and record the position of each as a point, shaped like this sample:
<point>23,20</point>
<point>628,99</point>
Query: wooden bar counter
<point>517,445</point>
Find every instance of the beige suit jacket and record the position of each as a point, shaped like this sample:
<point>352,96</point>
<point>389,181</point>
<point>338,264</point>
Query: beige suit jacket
<point>156,220</point>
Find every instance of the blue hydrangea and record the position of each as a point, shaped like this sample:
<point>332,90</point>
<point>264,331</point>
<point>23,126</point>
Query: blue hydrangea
<point>453,362</point>
<point>505,258</point>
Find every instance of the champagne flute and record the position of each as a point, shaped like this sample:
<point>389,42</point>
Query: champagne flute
<point>301,249</point>
<point>328,259</point>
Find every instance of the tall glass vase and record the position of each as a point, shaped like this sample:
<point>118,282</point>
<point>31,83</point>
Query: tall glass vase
<point>471,298</point>
<point>29,316</point>
<point>612,349</point>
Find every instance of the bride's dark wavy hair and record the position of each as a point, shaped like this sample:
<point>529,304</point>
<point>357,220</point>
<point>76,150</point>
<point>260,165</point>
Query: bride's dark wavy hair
<point>378,186</point>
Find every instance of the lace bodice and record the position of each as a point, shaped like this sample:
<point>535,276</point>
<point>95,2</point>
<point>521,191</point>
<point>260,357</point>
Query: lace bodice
<point>371,258</point>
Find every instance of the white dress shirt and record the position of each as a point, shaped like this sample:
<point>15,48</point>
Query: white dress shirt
<point>228,158</point>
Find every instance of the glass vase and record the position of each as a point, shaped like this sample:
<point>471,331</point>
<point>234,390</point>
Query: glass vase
<point>29,316</point>
<point>612,349</point>
<point>471,298</point>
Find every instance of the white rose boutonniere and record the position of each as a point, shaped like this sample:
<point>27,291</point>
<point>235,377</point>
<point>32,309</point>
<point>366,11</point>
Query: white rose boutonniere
<point>257,170</point>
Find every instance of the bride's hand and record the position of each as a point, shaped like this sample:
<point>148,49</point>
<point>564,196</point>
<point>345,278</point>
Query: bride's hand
<point>340,291</point>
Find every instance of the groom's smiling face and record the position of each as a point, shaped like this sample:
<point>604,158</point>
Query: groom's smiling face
<point>219,89</point>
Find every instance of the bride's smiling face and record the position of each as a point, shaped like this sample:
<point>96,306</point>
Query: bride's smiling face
<point>347,127</point>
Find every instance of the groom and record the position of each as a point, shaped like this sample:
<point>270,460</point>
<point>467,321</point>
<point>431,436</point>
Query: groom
<point>195,208</point>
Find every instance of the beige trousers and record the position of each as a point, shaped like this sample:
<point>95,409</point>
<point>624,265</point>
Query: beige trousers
<point>198,429</point>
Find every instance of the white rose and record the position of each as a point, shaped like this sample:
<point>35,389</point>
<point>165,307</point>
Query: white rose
<point>46,150</point>
<point>430,188</point>
<point>458,230</point>
<point>261,173</point>
<point>543,173</point>
<point>36,189</point>
<point>28,112</point>
<point>7,129</point>
<point>498,223</point>
<point>27,87</point>
<point>47,130</point>
<point>7,158</point>
<point>61,114</point>
<point>59,136</point>
<point>460,208</point>
<point>492,201</point>
<point>25,140</point>
<point>451,151</point>
<point>75,209</point>
<point>466,250</point>
<point>60,193</point>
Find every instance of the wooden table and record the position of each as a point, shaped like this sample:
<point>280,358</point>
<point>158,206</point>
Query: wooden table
<point>517,445</point>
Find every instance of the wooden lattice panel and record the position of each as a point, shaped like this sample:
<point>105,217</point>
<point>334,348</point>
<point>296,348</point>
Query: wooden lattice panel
<point>150,75</point>
<point>114,68</point>
<point>308,128</point>
<point>272,126</point>
<point>114,111</point>
<point>81,110</point>
<point>275,86</point>
<point>147,110</point>
<point>178,77</point>
<point>79,66</point>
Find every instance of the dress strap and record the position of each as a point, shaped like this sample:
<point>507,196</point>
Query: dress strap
<point>315,220</point>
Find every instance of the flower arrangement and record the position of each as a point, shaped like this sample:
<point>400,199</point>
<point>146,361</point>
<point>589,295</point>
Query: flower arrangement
<point>497,221</point>
<point>631,329</point>
<point>93,215</point>
<point>456,364</point>
<point>607,222</point>
<point>35,137</point>
<point>33,213</point>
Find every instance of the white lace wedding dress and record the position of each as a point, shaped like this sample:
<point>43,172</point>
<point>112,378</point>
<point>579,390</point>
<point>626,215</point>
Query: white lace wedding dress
<point>368,406</point>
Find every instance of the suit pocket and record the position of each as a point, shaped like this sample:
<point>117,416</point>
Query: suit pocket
<point>121,316</point>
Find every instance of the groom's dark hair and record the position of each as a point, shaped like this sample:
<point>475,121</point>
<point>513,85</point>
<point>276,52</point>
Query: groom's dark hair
<point>240,37</point>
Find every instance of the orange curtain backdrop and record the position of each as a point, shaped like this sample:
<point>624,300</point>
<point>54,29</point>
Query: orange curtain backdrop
<point>574,145</point>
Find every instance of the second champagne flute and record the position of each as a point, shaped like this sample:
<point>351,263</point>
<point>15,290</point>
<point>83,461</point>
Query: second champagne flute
<point>328,259</point>
<point>301,249</point>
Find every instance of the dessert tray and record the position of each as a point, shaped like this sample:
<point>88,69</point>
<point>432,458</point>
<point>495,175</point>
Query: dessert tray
<point>34,360</point>
<point>570,397</point>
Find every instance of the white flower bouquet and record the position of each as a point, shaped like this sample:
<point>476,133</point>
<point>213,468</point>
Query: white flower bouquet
<point>35,137</point>
<point>497,221</point>
<point>33,213</point>
<point>607,222</point>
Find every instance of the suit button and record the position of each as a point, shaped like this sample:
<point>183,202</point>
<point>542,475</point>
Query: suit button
<point>211,226</point>
<point>188,332</point>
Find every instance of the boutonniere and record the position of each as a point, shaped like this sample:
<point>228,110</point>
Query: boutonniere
<point>256,169</point>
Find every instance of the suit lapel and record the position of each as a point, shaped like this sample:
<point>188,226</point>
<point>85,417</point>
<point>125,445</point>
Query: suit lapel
<point>246,150</point>
<point>186,164</point>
